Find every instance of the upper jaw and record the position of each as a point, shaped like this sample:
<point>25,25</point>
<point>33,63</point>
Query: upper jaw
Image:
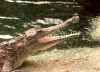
<point>42,32</point>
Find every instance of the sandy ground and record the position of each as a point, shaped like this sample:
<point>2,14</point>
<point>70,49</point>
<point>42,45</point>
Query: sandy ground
<point>71,60</point>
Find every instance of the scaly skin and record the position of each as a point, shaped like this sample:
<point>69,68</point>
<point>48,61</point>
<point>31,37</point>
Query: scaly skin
<point>14,52</point>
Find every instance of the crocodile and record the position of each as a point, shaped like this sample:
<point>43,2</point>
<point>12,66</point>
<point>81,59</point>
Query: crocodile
<point>15,51</point>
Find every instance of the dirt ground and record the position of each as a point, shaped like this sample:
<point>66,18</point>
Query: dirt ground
<point>71,60</point>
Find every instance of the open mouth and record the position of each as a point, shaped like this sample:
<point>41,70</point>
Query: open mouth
<point>46,39</point>
<point>60,38</point>
<point>49,30</point>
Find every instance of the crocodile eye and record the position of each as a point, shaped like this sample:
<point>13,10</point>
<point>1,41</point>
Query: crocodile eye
<point>38,29</point>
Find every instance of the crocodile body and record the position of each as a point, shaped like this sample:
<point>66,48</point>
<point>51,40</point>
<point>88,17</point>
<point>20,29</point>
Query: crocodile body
<point>14,52</point>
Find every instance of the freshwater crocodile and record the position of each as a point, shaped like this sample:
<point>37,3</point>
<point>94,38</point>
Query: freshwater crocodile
<point>14,52</point>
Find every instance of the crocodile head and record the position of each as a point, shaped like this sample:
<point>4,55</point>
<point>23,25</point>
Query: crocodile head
<point>39,37</point>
